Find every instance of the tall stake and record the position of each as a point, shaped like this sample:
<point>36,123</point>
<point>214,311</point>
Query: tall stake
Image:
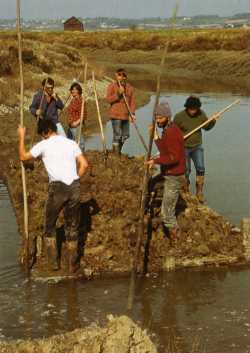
<point>83,103</point>
<point>146,176</point>
<point>99,117</point>
<point>25,202</point>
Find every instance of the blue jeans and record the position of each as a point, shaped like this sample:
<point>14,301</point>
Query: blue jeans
<point>120,131</point>
<point>73,134</point>
<point>196,154</point>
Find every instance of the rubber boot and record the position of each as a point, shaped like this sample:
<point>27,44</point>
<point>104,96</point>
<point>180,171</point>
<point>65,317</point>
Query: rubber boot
<point>116,148</point>
<point>51,254</point>
<point>64,257</point>
<point>199,188</point>
<point>74,261</point>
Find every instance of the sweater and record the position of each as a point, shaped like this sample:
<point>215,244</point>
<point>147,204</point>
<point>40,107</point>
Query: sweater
<point>118,109</point>
<point>172,152</point>
<point>188,123</point>
<point>49,109</point>
<point>75,108</point>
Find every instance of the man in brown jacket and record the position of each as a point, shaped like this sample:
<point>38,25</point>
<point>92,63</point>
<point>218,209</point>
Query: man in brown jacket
<point>119,113</point>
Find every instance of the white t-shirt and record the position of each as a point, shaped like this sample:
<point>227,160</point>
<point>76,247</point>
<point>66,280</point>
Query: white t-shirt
<point>59,157</point>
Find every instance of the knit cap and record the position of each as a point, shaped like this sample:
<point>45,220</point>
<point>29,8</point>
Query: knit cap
<point>163,109</point>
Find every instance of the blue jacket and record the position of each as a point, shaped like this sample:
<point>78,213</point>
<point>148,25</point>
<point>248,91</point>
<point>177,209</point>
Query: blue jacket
<point>49,110</point>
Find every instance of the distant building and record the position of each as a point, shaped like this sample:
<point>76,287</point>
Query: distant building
<point>73,24</point>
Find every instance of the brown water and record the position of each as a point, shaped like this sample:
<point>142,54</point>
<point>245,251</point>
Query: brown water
<point>209,308</point>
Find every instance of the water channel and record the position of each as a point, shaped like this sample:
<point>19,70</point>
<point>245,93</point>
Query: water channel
<point>210,308</point>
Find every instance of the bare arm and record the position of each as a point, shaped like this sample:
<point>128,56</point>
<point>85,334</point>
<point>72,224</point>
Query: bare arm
<point>82,165</point>
<point>23,154</point>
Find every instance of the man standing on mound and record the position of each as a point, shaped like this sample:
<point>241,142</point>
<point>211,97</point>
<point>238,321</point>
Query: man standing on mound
<point>120,117</point>
<point>172,162</point>
<point>46,104</point>
<point>188,120</point>
<point>65,165</point>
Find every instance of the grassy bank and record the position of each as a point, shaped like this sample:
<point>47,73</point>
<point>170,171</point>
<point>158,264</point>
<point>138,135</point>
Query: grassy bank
<point>198,60</point>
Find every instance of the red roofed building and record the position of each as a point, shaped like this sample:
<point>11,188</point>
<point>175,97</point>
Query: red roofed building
<point>73,24</point>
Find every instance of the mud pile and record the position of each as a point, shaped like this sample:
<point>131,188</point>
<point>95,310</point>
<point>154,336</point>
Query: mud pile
<point>110,197</point>
<point>120,335</point>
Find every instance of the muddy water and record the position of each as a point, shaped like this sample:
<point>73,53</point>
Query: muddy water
<point>210,309</point>
<point>227,151</point>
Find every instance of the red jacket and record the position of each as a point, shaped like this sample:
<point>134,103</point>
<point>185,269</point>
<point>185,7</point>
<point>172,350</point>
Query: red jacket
<point>75,109</point>
<point>172,152</point>
<point>118,109</point>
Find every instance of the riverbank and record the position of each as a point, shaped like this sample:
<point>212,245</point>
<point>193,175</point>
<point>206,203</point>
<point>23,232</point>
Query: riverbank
<point>110,199</point>
<point>119,335</point>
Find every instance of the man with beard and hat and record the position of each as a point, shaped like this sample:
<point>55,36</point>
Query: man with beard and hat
<point>187,120</point>
<point>172,162</point>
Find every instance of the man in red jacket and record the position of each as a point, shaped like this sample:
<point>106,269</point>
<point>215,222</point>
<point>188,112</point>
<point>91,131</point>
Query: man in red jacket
<point>118,112</point>
<point>172,162</point>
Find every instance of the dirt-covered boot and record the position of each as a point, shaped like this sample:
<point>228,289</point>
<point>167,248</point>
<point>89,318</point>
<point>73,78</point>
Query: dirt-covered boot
<point>73,256</point>
<point>199,188</point>
<point>51,254</point>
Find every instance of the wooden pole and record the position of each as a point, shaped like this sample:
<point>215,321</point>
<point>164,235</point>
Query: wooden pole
<point>83,104</point>
<point>145,190</point>
<point>25,201</point>
<point>146,176</point>
<point>133,121</point>
<point>85,71</point>
<point>99,116</point>
<point>215,116</point>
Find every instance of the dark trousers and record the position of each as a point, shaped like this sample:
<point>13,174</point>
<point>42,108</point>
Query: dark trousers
<point>67,197</point>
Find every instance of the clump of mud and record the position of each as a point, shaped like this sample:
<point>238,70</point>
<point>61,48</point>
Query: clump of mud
<point>120,335</point>
<point>110,196</point>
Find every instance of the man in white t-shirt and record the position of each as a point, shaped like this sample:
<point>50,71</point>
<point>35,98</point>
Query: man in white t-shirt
<point>65,165</point>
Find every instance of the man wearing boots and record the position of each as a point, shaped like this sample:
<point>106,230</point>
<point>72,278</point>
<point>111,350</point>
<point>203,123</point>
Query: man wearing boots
<point>118,113</point>
<point>172,162</point>
<point>188,120</point>
<point>65,164</point>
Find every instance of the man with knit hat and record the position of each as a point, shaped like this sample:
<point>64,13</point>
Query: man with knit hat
<point>187,120</point>
<point>172,162</point>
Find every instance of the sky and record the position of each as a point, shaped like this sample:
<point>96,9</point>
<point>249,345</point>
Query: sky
<point>38,9</point>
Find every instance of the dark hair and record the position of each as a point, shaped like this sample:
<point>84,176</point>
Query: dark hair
<point>192,102</point>
<point>49,81</point>
<point>122,71</point>
<point>77,86</point>
<point>45,126</point>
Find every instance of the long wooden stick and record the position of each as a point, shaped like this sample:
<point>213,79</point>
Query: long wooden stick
<point>145,189</point>
<point>99,116</point>
<point>133,121</point>
<point>25,201</point>
<point>146,177</point>
<point>83,105</point>
<point>215,116</point>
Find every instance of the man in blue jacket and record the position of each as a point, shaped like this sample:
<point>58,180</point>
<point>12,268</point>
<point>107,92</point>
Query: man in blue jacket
<point>46,103</point>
